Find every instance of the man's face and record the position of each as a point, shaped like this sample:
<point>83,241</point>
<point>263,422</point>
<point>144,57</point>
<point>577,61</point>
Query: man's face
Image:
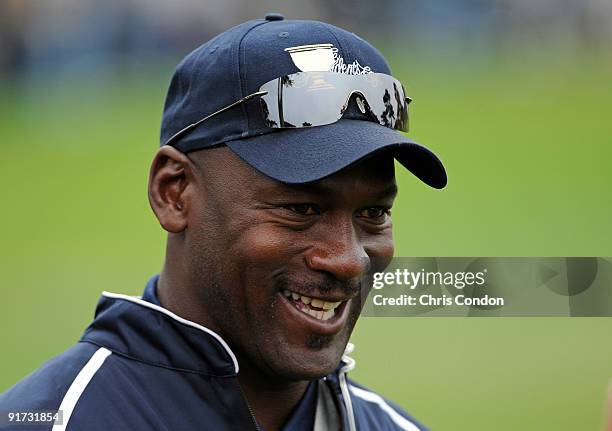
<point>278,267</point>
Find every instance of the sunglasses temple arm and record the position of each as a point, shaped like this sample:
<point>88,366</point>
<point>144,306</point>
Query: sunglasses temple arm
<point>192,126</point>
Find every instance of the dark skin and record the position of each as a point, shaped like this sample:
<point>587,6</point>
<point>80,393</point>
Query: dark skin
<point>237,239</point>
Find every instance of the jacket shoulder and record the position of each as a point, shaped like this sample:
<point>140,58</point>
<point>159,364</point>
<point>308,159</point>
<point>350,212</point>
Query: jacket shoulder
<point>45,388</point>
<point>372,411</point>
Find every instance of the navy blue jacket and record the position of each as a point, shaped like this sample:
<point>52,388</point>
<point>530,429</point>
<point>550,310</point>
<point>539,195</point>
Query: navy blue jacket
<point>139,367</point>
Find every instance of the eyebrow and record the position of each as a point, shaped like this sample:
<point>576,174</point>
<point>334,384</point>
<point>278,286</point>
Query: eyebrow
<point>389,192</point>
<point>322,189</point>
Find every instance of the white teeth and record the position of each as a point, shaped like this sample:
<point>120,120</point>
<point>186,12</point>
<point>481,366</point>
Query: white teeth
<point>328,309</point>
<point>330,305</point>
<point>317,303</point>
<point>328,314</point>
<point>320,314</point>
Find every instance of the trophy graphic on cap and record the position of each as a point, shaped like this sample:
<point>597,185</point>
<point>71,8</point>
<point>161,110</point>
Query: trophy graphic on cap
<point>313,58</point>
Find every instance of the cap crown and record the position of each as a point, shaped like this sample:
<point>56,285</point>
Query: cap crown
<point>239,61</point>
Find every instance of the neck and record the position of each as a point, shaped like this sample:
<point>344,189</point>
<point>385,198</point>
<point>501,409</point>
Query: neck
<point>270,400</point>
<point>174,289</point>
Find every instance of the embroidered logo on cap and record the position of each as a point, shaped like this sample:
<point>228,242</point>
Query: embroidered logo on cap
<point>324,57</point>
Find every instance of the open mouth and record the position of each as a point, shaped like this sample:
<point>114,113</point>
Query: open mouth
<point>315,307</point>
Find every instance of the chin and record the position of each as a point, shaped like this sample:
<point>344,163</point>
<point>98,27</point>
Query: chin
<point>298,373</point>
<point>313,362</point>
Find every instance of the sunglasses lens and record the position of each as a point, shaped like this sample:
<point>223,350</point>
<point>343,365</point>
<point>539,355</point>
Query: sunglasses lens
<point>307,99</point>
<point>387,101</point>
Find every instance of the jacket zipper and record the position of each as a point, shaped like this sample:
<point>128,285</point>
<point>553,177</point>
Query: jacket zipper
<point>343,386</point>
<point>246,401</point>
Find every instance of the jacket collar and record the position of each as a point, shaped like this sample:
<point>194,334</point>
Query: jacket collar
<point>140,328</point>
<point>145,331</point>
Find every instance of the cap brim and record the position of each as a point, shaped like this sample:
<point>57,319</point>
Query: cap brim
<point>309,154</point>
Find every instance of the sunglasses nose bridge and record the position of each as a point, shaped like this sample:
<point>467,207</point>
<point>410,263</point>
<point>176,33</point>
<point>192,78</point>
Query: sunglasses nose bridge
<point>360,100</point>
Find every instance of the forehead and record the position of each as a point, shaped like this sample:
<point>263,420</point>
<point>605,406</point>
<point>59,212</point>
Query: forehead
<point>366,183</point>
<point>371,174</point>
<point>221,167</point>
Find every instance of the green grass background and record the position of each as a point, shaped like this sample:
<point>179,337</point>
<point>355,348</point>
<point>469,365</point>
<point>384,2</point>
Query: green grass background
<point>526,139</point>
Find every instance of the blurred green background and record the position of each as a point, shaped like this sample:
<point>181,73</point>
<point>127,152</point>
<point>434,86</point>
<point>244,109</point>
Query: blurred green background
<point>526,136</point>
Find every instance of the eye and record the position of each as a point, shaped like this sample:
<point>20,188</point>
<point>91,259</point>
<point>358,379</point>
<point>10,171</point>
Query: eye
<point>304,209</point>
<point>374,213</point>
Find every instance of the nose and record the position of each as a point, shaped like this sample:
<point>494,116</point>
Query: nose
<point>340,254</point>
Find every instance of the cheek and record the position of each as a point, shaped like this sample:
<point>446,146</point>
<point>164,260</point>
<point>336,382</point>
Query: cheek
<point>265,247</point>
<point>380,248</point>
<point>385,247</point>
<point>254,259</point>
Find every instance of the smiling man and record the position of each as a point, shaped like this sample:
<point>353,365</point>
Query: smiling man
<point>275,182</point>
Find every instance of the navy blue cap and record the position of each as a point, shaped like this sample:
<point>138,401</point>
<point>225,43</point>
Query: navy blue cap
<point>239,61</point>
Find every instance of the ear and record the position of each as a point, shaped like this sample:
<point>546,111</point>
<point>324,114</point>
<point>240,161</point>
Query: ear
<point>171,179</point>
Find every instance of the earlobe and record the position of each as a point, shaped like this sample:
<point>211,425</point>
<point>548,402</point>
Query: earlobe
<point>169,180</point>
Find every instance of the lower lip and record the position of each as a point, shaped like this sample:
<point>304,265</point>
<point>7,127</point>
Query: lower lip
<point>330,326</point>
